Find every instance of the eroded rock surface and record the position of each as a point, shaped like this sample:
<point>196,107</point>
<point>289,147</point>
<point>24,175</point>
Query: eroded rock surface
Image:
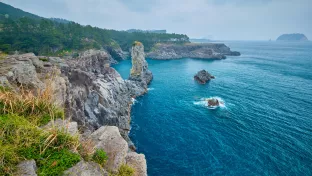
<point>86,169</point>
<point>138,162</point>
<point>191,50</point>
<point>203,76</point>
<point>139,71</point>
<point>27,168</point>
<point>109,139</point>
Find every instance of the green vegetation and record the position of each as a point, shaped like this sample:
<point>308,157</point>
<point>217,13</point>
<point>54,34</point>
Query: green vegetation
<point>25,32</point>
<point>100,157</point>
<point>21,139</point>
<point>44,59</point>
<point>124,170</point>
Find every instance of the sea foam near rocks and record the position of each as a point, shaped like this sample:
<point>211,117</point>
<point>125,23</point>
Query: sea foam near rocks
<point>204,102</point>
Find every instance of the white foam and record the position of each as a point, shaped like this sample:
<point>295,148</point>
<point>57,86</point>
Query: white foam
<point>150,88</point>
<point>204,102</point>
<point>133,100</point>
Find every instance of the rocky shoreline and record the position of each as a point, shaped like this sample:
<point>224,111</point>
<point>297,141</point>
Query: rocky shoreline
<point>94,96</point>
<point>191,50</point>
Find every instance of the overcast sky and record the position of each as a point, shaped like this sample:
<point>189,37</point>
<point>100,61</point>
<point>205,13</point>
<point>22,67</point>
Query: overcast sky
<point>216,19</point>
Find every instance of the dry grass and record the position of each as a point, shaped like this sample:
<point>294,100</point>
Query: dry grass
<point>86,149</point>
<point>38,108</point>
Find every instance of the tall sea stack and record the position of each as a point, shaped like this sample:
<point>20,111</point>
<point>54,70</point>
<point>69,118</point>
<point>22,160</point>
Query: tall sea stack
<point>139,71</point>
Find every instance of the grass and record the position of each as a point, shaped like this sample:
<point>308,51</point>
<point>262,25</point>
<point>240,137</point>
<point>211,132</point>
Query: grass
<point>124,170</point>
<point>38,109</point>
<point>22,139</point>
<point>100,157</point>
<point>136,43</point>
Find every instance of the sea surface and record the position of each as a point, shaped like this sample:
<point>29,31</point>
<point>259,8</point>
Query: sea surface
<point>265,127</point>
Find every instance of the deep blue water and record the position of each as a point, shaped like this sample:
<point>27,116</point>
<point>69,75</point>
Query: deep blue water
<point>265,127</point>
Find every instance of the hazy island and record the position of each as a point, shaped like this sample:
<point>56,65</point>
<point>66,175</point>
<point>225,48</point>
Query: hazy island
<point>292,37</point>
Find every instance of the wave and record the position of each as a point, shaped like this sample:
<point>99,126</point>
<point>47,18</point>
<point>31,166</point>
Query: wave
<point>133,100</point>
<point>150,88</point>
<point>204,102</point>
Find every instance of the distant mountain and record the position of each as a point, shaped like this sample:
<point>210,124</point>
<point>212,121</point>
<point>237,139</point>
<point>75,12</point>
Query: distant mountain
<point>203,40</point>
<point>7,11</point>
<point>147,31</point>
<point>25,32</point>
<point>292,37</point>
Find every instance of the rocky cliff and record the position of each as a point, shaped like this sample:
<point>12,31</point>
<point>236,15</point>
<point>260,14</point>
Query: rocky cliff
<point>191,50</point>
<point>139,71</point>
<point>92,92</point>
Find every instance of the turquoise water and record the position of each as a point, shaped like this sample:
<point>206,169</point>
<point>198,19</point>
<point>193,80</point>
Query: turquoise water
<point>265,127</point>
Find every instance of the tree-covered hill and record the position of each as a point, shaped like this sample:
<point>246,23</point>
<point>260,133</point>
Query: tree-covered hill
<point>25,32</point>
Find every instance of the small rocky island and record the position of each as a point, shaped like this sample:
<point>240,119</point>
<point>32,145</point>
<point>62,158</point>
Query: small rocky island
<point>191,50</point>
<point>203,76</point>
<point>292,37</point>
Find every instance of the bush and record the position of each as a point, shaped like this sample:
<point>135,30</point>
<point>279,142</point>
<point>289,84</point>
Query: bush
<point>125,170</point>
<point>100,157</point>
<point>44,59</point>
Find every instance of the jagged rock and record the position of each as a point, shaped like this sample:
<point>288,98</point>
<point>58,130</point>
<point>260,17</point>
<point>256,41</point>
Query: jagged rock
<point>139,71</point>
<point>19,69</point>
<point>191,50</point>
<point>27,168</point>
<point>63,125</point>
<point>109,139</point>
<point>86,169</point>
<point>203,76</point>
<point>138,162</point>
<point>213,102</point>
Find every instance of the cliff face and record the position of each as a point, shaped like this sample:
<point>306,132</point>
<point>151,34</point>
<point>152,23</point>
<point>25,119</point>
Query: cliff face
<point>191,50</point>
<point>92,92</point>
<point>139,71</point>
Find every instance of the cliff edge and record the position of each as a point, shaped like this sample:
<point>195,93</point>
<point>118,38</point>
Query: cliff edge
<point>191,50</point>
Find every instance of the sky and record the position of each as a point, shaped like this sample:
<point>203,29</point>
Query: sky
<point>212,19</point>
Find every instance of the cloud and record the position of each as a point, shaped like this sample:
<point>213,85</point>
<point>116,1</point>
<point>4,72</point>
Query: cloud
<point>221,19</point>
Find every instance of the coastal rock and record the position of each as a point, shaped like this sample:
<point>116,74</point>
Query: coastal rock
<point>191,50</point>
<point>138,162</point>
<point>203,76</point>
<point>109,139</point>
<point>63,125</point>
<point>27,168</point>
<point>213,102</point>
<point>139,71</point>
<point>86,169</point>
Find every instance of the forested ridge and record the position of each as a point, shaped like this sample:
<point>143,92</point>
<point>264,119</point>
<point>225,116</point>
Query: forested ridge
<point>25,32</point>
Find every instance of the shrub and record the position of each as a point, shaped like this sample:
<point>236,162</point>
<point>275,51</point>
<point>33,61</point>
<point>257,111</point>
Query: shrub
<point>100,157</point>
<point>125,170</point>
<point>44,59</point>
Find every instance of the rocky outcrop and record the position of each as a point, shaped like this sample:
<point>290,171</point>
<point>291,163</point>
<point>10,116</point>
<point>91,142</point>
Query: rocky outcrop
<point>109,139</point>
<point>203,76</point>
<point>86,169</point>
<point>63,125</point>
<point>191,50</point>
<point>139,71</point>
<point>27,168</point>
<point>138,162</point>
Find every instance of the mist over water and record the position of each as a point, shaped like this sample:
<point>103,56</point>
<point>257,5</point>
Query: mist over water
<point>265,127</point>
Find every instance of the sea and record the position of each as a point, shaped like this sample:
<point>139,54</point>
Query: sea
<point>263,128</point>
